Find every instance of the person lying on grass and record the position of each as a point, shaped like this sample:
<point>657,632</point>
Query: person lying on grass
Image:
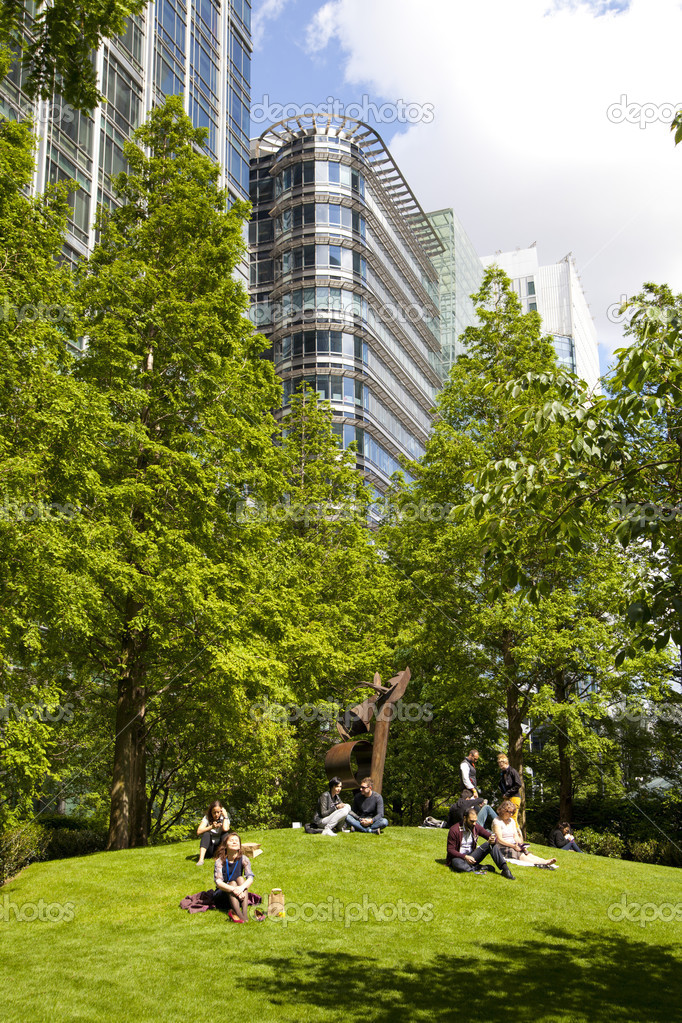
<point>233,877</point>
<point>213,826</point>
<point>464,857</point>
<point>510,839</point>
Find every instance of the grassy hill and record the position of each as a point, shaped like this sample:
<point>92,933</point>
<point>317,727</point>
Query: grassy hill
<point>545,947</point>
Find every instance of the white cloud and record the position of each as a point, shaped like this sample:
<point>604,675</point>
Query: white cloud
<point>265,11</point>
<point>521,145</point>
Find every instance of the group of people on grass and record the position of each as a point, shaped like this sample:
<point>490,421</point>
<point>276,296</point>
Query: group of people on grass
<point>467,822</point>
<point>232,872</point>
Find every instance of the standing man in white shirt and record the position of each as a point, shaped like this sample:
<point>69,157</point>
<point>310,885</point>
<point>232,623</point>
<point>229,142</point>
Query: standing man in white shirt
<point>467,769</point>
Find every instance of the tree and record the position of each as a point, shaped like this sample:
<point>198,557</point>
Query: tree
<point>55,41</point>
<point>483,643</point>
<point>623,465</point>
<point>48,431</point>
<point>163,580</point>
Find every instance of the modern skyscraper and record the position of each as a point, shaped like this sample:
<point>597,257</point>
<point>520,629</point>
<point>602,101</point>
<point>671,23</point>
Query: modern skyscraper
<point>201,48</point>
<point>343,283</point>
<point>556,292</point>
<point>459,275</point>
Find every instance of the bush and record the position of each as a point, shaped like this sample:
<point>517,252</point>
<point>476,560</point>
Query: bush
<point>600,844</point>
<point>645,852</point>
<point>64,842</point>
<point>20,847</point>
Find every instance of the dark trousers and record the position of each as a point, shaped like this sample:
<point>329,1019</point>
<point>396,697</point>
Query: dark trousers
<point>226,900</point>
<point>461,866</point>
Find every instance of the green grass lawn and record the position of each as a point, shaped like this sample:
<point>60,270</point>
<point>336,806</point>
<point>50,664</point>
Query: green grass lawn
<point>540,948</point>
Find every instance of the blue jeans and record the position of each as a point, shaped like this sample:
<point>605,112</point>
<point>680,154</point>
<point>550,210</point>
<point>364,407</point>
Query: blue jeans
<point>573,846</point>
<point>486,815</point>
<point>354,822</point>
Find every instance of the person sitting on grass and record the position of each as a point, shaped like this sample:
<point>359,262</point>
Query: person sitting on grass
<point>367,812</point>
<point>211,830</point>
<point>510,839</point>
<point>561,838</point>
<point>233,877</point>
<point>463,855</point>
<point>484,812</point>
<point>330,809</point>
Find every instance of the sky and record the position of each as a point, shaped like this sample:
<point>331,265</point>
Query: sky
<point>542,121</point>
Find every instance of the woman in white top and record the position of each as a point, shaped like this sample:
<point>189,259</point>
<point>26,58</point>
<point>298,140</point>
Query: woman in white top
<point>213,826</point>
<point>510,839</point>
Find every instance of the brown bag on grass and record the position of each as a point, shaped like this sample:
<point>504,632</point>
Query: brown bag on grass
<point>276,902</point>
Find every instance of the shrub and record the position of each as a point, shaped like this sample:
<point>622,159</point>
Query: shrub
<point>645,852</point>
<point>64,842</point>
<point>601,845</point>
<point>20,847</point>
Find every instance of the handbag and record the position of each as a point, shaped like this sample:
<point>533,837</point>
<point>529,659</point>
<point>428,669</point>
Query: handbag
<point>276,903</point>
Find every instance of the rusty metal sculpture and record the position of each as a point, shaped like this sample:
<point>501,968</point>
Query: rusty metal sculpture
<point>369,759</point>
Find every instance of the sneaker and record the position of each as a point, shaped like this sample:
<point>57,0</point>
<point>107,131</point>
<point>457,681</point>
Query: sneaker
<point>328,831</point>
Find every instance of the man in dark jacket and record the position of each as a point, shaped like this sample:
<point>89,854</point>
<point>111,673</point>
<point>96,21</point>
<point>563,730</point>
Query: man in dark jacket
<point>510,783</point>
<point>463,856</point>
<point>367,812</point>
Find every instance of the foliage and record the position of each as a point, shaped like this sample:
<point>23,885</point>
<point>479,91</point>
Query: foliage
<point>601,843</point>
<point>57,39</point>
<point>19,847</point>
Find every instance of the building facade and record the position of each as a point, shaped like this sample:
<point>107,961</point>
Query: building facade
<point>200,48</point>
<point>344,285</point>
<point>556,292</point>
<point>459,276</point>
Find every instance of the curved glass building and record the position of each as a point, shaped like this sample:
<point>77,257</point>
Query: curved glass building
<point>343,283</point>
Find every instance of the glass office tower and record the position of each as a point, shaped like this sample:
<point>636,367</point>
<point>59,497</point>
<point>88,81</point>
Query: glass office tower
<point>459,275</point>
<point>201,48</point>
<point>344,286</point>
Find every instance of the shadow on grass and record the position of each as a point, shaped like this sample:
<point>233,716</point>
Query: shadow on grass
<point>560,976</point>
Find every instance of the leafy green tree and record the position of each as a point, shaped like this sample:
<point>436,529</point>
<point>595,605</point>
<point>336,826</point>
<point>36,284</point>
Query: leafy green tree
<point>163,582</point>
<point>48,431</point>
<point>56,40</point>
<point>484,642</point>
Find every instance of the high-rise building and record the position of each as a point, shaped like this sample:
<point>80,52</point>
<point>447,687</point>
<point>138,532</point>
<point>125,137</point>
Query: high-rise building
<point>200,48</point>
<point>459,275</point>
<point>556,292</point>
<point>344,285</point>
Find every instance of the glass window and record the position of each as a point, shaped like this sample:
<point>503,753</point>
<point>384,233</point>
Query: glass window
<point>309,342</point>
<point>335,342</point>
<point>336,388</point>
<point>323,341</point>
<point>531,286</point>
<point>334,176</point>
<point>335,255</point>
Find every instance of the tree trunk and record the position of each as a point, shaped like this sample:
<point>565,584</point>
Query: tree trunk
<point>514,723</point>
<point>563,744</point>
<point>128,812</point>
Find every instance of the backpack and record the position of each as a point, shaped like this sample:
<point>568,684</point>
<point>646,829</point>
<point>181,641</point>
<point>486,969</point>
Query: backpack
<point>433,822</point>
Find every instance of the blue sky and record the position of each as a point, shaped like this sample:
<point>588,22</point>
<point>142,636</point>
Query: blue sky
<point>548,125</point>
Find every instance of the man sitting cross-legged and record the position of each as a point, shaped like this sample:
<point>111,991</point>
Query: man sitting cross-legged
<point>464,857</point>
<point>367,812</point>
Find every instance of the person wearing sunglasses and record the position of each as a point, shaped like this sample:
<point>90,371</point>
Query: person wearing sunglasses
<point>367,812</point>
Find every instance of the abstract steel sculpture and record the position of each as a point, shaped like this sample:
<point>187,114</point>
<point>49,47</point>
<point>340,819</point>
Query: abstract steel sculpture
<point>370,759</point>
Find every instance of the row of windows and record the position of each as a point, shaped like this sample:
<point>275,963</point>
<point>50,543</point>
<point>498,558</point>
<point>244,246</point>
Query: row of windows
<point>170,27</point>
<point>347,391</point>
<point>321,343</point>
<point>123,95</point>
<point>310,256</point>
<point>322,172</point>
<point>132,38</point>
<point>242,10</point>
<point>320,214</point>
<point>368,448</point>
